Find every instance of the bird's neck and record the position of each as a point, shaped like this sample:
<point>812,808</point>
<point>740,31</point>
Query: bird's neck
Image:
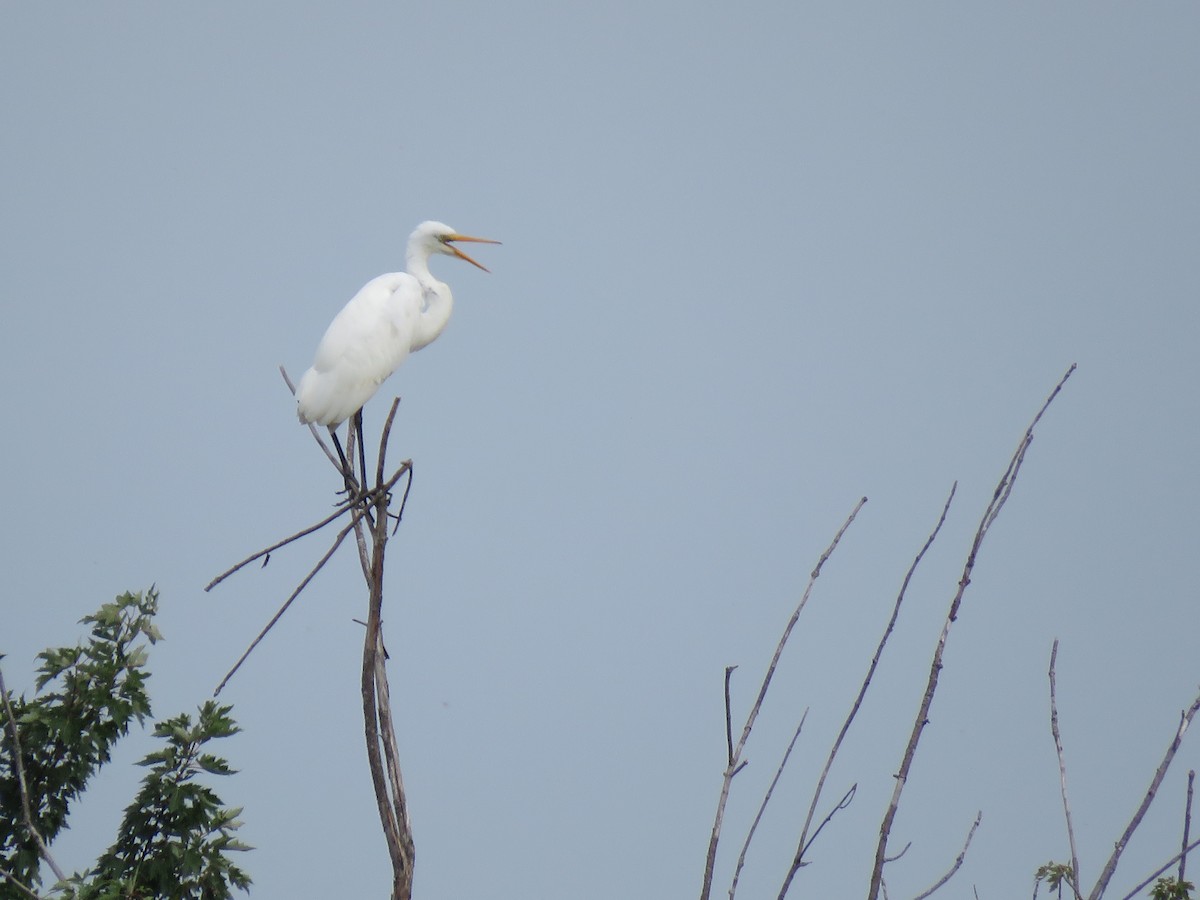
<point>436,306</point>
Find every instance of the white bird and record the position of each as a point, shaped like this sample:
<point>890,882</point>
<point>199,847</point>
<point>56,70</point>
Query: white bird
<point>391,316</point>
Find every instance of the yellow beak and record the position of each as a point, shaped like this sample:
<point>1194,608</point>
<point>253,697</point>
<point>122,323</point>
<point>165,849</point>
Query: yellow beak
<point>466,237</point>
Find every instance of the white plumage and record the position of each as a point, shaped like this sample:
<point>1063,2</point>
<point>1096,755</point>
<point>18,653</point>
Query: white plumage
<point>393,315</point>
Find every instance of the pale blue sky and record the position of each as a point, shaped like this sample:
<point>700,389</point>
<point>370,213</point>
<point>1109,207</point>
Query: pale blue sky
<point>759,260</point>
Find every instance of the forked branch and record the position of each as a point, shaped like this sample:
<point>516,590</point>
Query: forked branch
<point>370,517</point>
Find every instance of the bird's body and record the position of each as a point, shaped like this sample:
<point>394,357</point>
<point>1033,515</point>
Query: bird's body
<point>393,315</point>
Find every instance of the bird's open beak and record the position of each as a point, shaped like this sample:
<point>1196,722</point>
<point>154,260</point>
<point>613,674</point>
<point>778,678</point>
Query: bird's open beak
<point>466,237</point>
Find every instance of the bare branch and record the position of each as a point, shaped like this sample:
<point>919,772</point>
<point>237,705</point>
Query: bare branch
<point>728,715</point>
<point>999,498</point>
<point>900,854</point>
<point>267,551</point>
<point>1062,770</point>
<point>962,854</point>
<point>383,439</point>
<point>288,602</point>
<point>736,765</point>
<point>1182,854</point>
<point>1185,719</point>
<point>23,786</point>
<point>1187,823</point>
<point>311,427</point>
<point>379,728</point>
<point>741,861</point>
<point>797,863</point>
<point>804,843</point>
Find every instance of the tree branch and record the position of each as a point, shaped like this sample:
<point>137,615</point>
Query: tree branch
<point>1187,823</point>
<point>1062,770</point>
<point>735,764</point>
<point>962,854</point>
<point>23,786</point>
<point>804,843</point>
<point>999,498</point>
<point>741,861</point>
<point>1185,719</point>
<point>341,536</point>
<point>1182,854</point>
<point>378,726</point>
<point>11,879</point>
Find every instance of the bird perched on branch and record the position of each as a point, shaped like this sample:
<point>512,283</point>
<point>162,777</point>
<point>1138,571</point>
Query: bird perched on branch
<point>391,316</point>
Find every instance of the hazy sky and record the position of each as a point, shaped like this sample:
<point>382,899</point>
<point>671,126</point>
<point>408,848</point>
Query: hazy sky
<point>760,259</point>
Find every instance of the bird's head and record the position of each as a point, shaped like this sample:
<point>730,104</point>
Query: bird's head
<point>438,237</point>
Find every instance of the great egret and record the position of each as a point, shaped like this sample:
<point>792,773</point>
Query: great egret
<point>391,316</point>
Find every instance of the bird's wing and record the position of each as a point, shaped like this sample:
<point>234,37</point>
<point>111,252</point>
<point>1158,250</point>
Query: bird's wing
<point>371,336</point>
<point>363,345</point>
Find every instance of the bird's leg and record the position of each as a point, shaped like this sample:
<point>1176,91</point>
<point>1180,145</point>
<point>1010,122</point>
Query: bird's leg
<point>362,448</point>
<point>347,471</point>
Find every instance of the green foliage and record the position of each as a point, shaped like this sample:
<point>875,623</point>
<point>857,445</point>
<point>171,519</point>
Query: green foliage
<point>1171,889</point>
<point>1056,876</point>
<point>174,837</point>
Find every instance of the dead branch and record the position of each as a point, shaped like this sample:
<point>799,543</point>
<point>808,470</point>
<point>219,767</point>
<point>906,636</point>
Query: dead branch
<point>267,551</point>
<point>1062,770</point>
<point>379,730</point>
<point>741,861</point>
<point>958,861</point>
<point>728,715</point>
<point>1185,719</point>
<point>311,427</point>
<point>383,756</point>
<point>735,765</point>
<point>999,497</point>
<point>842,804</point>
<point>23,787</point>
<point>1187,823</point>
<point>804,843</point>
<point>288,602</point>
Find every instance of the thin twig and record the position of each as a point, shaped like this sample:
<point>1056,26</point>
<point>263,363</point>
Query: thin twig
<point>267,551</point>
<point>1062,769</point>
<point>741,861</point>
<point>841,804</point>
<point>1185,719</point>
<point>23,786</point>
<point>803,844</point>
<point>1170,862</point>
<point>406,466</point>
<point>728,715</point>
<point>904,850</point>
<point>11,879</point>
<point>311,427</point>
<point>1187,823</point>
<point>383,439</point>
<point>296,593</point>
<point>957,862</point>
<point>999,498</point>
<point>736,764</point>
<point>360,538</point>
